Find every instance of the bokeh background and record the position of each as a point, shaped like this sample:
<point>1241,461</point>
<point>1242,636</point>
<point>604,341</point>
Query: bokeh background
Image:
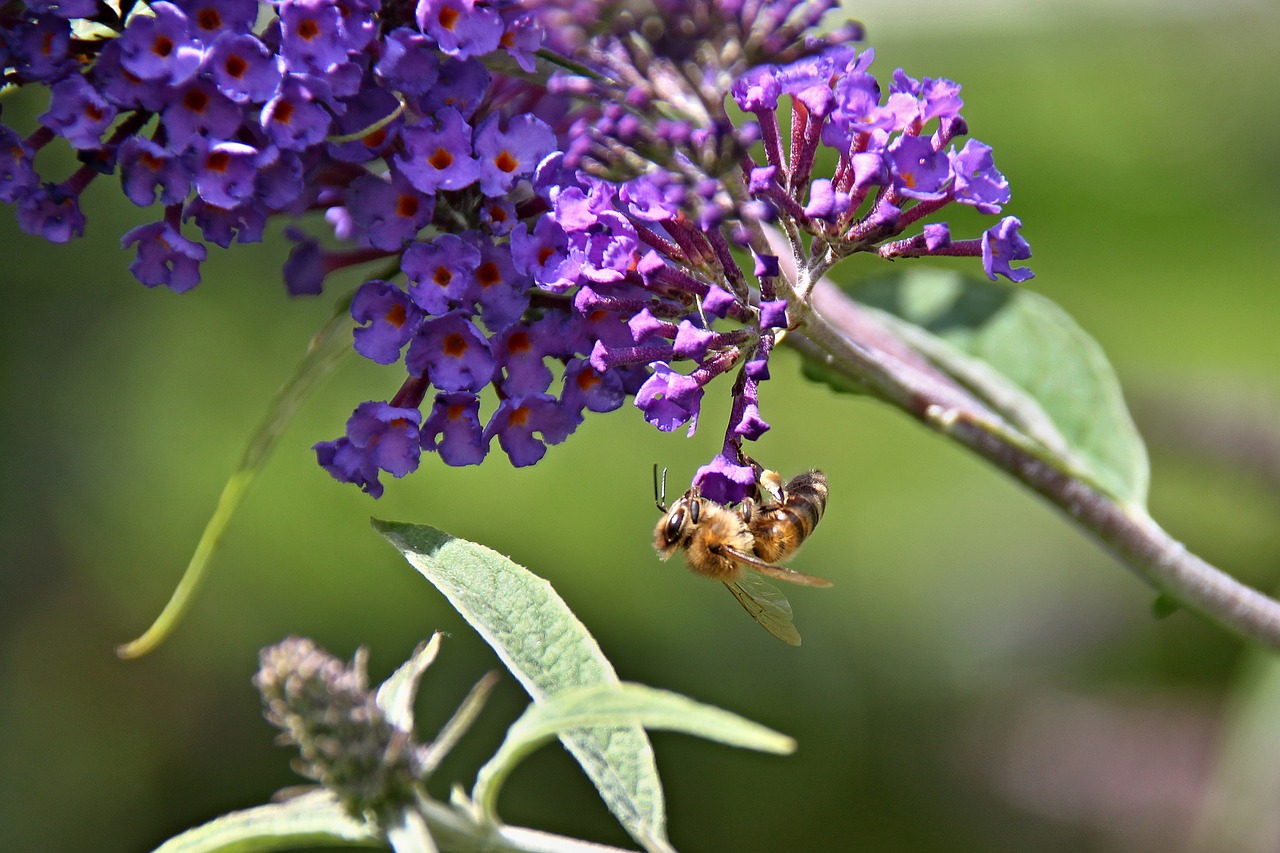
<point>982,676</point>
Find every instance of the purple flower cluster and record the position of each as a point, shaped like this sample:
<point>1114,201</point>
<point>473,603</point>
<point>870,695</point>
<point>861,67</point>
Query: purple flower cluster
<point>702,190</point>
<point>897,164</point>
<point>563,244</point>
<point>248,121</point>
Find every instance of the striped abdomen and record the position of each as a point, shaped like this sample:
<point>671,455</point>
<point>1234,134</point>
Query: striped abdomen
<point>779,529</point>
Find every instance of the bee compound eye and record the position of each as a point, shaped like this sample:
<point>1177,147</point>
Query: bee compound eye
<point>695,510</point>
<point>675,523</point>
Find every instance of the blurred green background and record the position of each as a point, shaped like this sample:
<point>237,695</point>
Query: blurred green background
<point>981,677</point>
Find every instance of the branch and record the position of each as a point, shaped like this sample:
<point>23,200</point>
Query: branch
<point>845,339</point>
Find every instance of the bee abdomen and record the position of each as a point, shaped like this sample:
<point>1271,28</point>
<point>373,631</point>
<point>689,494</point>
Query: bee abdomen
<point>806,495</point>
<point>780,530</point>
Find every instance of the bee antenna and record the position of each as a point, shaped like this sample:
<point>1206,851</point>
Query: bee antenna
<point>660,498</point>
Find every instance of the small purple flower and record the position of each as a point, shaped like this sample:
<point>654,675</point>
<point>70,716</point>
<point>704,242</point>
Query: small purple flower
<point>978,182</point>
<point>518,418</point>
<point>243,223</point>
<point>380,437</point>
<point>522,39</point>
<point>359,22</point>
<point>724,480</point>
<point>280,179</point>
<point>498,215</point>
<point>758,89</point>
<point>388,214</point>
<point>460,27</point>
<point>919,171</point>
<point>161,46</point>
<point>503,293</point>
<point>643,325</point>
<point>757,369</point>
<point>407,63</point>
<point>750,425</point>
<point>305,269</point>
<point>858,107</point>
<point>51,213</point>
<point>587,388</point>
<point>243,68</point>
<point>295,119</point>
<point>692,341</point>
<point>575,209</point>
<point>453,430</point>
<point>1001,245</point>
<point>870,169</point>
<point>439,157</point>
<point>17,167</point>
<point>442,272</point>
<point>461,85</point>
<point>937,236</point>
<point>520,349</point>
<point>766,265</point>
<point>40,49</point>
<point>825,202</point>
<point>652,197</point>
<point>225,172</point>
<point>669,399</point>
<point>165,257</point>
<point>211,18</point>
<point>773,314</point>
<point>808,82</point>
<point>199,111</point>
<point>541,253</point>
<point>78,112</point>
<point>312,37</point>
<point>606,252</point>
<point>718,301</point>
<point>507,156</point>
<point>124,88</point>
<point>763,178</point>
<point>391,319</point>
<point>452,353</point>
<point>937,98</point>
<point>146,167</point>
<point>389,434</point>
<point>347,463</point>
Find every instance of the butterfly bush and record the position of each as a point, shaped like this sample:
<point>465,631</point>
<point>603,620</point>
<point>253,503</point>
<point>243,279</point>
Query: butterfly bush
<point>582,203</point>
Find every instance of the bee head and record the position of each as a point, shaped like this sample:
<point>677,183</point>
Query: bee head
<point>677,525</point>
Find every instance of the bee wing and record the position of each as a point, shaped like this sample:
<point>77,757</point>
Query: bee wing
<point>765,604</point>
<point>756,564</point>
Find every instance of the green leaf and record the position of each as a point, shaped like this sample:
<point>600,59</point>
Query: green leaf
<point>326,349</point>
<point>316,820</point>
<point>1025,358</point>
<point>311,820</point>
<point>548,650</point>
<point>411,835</point>
<point>396,695</point>
<point>616,705</point>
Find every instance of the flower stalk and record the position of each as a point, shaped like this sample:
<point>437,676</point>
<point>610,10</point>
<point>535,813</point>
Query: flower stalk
<point>842,337</point>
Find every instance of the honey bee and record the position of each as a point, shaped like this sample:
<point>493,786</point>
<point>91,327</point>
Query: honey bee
<point>719,541</point>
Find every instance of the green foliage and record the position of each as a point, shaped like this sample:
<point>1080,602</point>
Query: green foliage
<point>1024,358</point>
<point>312,819</point>
<point>547,649</point>
<point>577,697</point>
<point>325,350</point>
<point>609,705</point>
